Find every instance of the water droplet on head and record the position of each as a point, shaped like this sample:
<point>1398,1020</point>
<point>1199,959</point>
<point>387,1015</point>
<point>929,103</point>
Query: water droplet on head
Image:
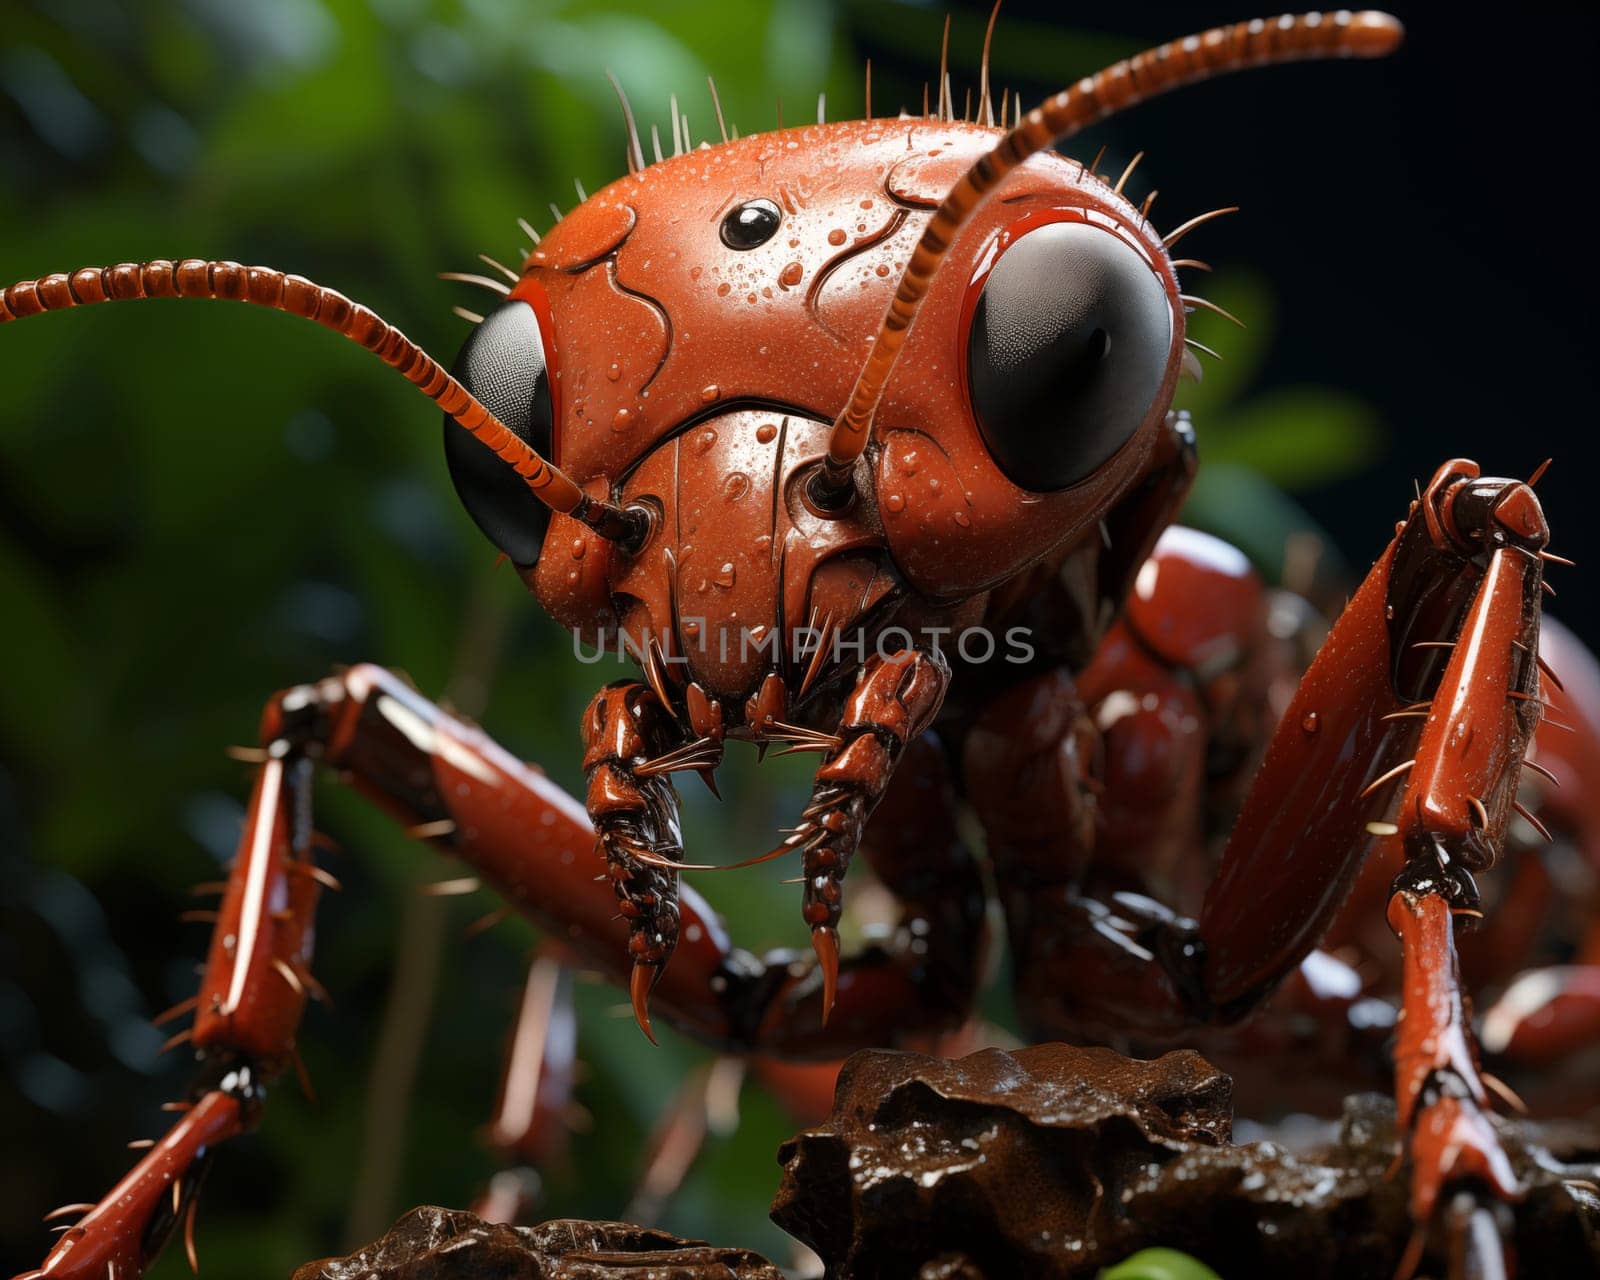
<point>766,432</point>
<point>622,421</point>
<point>1309,722</point>
<point>790,275</point>
<point>710,393</point>
<point>895,502</point>
<point>614,371</point>
<point>705,439</point>
<point>725,575</point>
<point>736,486</point>
<point>579,546</point>
<point>836,236</point>
<point>962,519</point>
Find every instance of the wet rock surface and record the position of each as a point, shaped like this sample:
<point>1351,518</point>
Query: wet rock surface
<point>1054,1161</point>
<point>1048,1162</point>
<point>447,1244</point>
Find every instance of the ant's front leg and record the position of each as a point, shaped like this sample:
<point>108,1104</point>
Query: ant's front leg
<point>446,782</point>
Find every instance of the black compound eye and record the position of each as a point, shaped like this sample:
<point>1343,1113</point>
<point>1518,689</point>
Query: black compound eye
<point>1069,343</point>
<point>503,364</point>
<point>753,223</point>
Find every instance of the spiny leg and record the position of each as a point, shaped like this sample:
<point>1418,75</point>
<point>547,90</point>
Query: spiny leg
<point>628,738</point>
<point>252,994</point>
<point>1456,803</point>
<point>447,782</point>
<point>1442,1102</point>
<point>1427,685</point>
<point>894,700</point>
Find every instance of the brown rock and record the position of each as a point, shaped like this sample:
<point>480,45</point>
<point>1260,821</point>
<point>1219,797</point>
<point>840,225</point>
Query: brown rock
<point>1055,1161</point>
<point>448,1244</point>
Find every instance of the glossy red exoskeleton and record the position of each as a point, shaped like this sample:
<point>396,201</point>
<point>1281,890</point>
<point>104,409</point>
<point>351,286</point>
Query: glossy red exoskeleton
<point>798,414</point>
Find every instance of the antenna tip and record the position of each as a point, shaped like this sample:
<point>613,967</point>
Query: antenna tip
<point>1374,34</point>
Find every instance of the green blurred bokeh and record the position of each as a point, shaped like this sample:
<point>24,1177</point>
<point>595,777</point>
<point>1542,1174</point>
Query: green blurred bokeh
<point>199,505</point>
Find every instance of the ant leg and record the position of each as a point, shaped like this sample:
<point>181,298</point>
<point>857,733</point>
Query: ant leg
<point>534,1111</point>
<point>705,1105</point>
<point>446,782</point>
<point>1545,1015</point>
<point>1427,685</point>
<point>913,847</point>
<point>1442,1103</point>
<point>894,700</point>
<point>628,734</point>
<point>906,985</point>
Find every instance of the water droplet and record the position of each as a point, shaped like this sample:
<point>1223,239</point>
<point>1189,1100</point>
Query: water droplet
<point>710,392</point>
<point>614,371</point>
<point>766,432</point>
<point>895,502</point>
<point>725,575</point>
<point>579,546</point>
<point>962,519</point>
<point>724,289</point>
<point>908,460</point>
<point>790,275</point>
<point>836,236</point>
<point>933,483</point>
<point>750,298</point>
<point>572,576</point>
<point>736,486</point>
<point>882,270</point>
<point>622,421</point>
<point>694,272</point>
<point>705,439</point>
<point>1309,722</point>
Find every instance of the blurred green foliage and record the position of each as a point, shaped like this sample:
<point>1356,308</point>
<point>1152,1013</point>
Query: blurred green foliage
<point>199,505</point>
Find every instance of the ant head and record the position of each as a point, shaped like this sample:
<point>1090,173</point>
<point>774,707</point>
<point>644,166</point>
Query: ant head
<point>1038,312</point>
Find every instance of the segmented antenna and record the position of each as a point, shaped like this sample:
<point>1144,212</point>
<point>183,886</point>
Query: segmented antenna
<point>266,287</point>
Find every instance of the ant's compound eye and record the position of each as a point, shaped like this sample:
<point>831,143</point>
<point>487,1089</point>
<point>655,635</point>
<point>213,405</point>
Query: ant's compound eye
<point>1068,346</point>
<point>751,224</point>
<point>503,363</point>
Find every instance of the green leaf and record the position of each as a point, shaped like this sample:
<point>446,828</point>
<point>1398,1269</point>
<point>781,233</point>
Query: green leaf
<point>1159,1264</point>
<point>1298,438</point>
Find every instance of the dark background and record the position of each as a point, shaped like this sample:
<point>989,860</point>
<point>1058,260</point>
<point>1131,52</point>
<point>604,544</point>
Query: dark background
<point>199,505</point>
